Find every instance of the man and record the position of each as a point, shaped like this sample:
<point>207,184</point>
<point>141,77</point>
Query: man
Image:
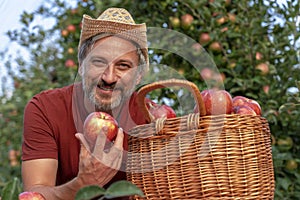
<point>56,160</point>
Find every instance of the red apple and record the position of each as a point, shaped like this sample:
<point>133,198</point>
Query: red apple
<point>74,11</point>
<point>227,2</point>
<point>266,89</point>
<point>254,105</point>
<point>93,125</point>
<point>243,110</point>
<point>17,84</point>
<point>64,33</point>
<point>206,73</point>
<point>217,101</point>
<point>224,29</point>
<point>215,46</point>
<point>204,38</point>
<point>258,56</point>
<point>12,154</point>
<point>70,50</point>
<point>219,77</point>
<point>244,101</point>
<point>197,47</point>
<point>70,63</point>
<point>71,28</point>
<point>221,20</point>
<point>159,111</point>
<point>231,17</point>
<point>14,163</point>
<point>31,196</point>
<point>239,101</point>
<point>186,21</point>
<point>263,67</point>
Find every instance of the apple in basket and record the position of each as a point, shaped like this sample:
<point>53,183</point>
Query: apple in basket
<point>159,111</point>
<point>250,104</point>
<point>243,110</point>
<point>31,196</point>
<point>217,102</point>
<point>94,122</point>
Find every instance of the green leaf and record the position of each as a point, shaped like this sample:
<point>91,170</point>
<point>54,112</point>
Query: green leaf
<point>121,189</point>
<point>298,84</point>
<point>11,190</point>
<point>284,183</point>
<point>89,192</point>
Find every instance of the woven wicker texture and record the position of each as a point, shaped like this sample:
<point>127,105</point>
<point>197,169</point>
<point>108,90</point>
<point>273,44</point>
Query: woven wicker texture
<point>115,21</point>
<point>194,157</point>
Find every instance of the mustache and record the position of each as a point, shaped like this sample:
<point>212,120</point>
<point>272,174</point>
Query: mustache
<point>108,86</point>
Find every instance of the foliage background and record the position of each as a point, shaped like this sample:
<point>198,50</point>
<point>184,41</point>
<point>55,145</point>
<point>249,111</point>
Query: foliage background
<point>249,33</point>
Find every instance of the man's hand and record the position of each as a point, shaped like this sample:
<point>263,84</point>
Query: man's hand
<point>101,165</point>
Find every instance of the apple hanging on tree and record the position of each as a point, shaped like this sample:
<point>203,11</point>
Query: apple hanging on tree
<point>204,38</point>
<point>93,124</point>
<point>71,28</point>
<point>186,21</point>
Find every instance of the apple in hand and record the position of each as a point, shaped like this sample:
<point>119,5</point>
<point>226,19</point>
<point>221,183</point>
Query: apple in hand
<point>217,101</point>
<point>93,125</point>
<point>159,111</point>
<point>31,196</point>
<point>241,100</point>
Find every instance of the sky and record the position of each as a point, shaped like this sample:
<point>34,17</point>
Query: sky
<point>10,12</point>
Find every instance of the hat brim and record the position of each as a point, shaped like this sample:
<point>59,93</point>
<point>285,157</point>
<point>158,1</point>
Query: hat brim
<point>92,27</point>
<point>133,32</point>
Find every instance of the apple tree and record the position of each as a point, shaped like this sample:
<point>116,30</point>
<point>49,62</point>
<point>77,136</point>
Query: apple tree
<point>254,45</point>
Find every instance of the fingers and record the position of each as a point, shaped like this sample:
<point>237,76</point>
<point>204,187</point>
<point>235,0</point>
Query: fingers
<point>119,140</point>
<point>100,143</point>
<point>116,151</point>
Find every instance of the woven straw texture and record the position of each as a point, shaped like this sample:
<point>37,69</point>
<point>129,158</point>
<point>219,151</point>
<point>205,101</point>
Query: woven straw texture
<point>195,157</point>
<point>115,21</point>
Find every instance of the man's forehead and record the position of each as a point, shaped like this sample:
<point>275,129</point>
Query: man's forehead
<point>115,41</point>
<point>113,47</point>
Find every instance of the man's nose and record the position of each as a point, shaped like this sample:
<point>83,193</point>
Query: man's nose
<point>109,75</point>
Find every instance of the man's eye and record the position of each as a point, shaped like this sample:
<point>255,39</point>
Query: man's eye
<point>124,66</point>
<point>98,62</point>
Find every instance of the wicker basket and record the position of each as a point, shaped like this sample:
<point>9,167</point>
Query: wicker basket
<point>197,156</point>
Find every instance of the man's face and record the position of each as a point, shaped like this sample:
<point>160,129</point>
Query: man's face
<point>110,72</point>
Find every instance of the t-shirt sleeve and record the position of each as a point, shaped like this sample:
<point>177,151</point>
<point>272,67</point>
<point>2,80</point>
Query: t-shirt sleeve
<point>38,137</point>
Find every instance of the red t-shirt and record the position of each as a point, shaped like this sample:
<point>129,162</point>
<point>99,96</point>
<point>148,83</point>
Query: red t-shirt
<point>51,119</point>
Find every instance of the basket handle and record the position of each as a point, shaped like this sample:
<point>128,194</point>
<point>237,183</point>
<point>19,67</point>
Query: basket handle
<point>143,91</point>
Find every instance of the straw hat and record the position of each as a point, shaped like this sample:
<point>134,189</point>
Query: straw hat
<point>115,21</point>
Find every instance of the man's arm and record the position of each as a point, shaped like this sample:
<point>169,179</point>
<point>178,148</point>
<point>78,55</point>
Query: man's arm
<point>40,175</point>
<point>96,168</point>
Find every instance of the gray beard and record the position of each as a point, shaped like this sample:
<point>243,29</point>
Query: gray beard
<point>90,93</point>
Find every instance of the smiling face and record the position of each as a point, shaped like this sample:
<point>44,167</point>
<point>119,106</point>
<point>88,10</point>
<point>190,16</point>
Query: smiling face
<point>109,73</point>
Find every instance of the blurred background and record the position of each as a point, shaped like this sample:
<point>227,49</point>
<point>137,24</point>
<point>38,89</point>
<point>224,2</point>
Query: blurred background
<point>254,45</point>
